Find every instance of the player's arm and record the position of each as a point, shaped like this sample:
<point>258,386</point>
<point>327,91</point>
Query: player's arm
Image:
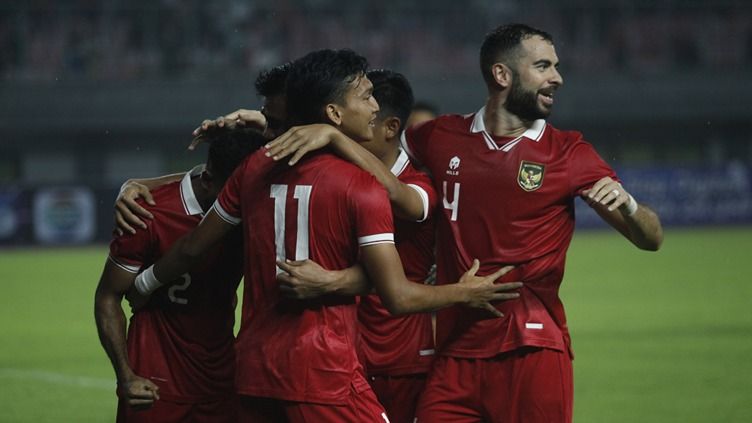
<point>407,203</point>
<point>128,213</point>
<point>637,222</point>
<point>401,296</point>
<point>306,279</point>
<point>241,118</point>
<point>183,254</point>
<point>111,326</point>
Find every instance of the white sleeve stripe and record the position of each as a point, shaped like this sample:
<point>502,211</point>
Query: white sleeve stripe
<point>376,239</point>
<point>127,267</point>
<point>403,143</point>
<point>227,217</point>
<point>423,196</point>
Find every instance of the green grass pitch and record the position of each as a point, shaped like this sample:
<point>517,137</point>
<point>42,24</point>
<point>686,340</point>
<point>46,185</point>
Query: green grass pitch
<point>658,337</point>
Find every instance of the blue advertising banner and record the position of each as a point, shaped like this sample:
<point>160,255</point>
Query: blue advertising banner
<point>686,196</point>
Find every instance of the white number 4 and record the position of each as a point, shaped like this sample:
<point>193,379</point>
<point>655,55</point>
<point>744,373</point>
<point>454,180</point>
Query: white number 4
<point>455,204</point>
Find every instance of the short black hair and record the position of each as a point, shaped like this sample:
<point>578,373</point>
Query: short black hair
<point>502,45</point>
<point>427,106</point>
<point>272,81</point>
<point>393,93</point>
<point>320,78</point>
<point>227,149</point>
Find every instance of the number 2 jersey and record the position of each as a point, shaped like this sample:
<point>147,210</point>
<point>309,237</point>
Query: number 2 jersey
<point>325,209</point>
<point>504,201</point>
<point>183,339</point>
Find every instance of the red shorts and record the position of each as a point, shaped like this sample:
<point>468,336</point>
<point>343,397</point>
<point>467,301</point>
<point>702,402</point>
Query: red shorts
<point>399,395</point>
<point>527,385</point>
<point>361,406</point>
<point>225,411</point>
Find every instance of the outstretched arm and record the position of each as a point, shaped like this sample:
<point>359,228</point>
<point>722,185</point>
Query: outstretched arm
<point>617,207</point>
<point>406,202</point>
<point>111,323</point>
<point>401,296</point>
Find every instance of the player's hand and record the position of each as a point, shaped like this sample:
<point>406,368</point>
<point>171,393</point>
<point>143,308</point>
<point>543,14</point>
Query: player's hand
<point>607,192</point>
<point>305,279</point>
<point>300,140</point>
<point>241,118</point>
<point>128,213</point>
<point>136,300</point>
<point>140,393</point>
<point>482,289</point>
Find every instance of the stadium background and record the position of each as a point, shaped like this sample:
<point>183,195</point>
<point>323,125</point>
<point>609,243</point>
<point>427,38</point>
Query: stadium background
<point>95,92</point>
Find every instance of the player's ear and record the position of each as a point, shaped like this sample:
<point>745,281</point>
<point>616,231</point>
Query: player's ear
<point>333,113</point>
<point>502,74</point>
<point>392,127</point>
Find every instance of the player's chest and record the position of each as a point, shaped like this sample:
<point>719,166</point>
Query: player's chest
<point>530,168</point>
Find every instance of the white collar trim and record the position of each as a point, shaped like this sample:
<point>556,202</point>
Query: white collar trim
<point>534,133</point>
<point>190,203</point>
<point>400,165</point>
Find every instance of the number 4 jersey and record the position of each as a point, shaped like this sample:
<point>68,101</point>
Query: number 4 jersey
<point>183,339</point>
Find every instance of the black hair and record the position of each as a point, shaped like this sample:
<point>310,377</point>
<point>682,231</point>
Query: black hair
<point>227,149</point>
<point>320,78</point>
<point>503,44</point>
<point>427,106</point>
<point>393,93</point>
<point>272,81</point>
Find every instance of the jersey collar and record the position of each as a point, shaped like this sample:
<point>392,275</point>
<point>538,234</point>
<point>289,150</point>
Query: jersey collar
<point>402,161</point>
<point>534,133</point>
<point>190,203</point>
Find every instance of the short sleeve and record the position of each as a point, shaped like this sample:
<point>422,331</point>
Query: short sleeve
<point>129,251</point>
<point>415,139</point>
<point>371,210</point>
<point>586,166</point>
<point>421,183</point>
<point>245,177</point>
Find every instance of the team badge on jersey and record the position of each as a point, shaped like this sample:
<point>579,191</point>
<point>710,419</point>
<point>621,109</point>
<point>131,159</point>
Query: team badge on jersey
<point>530,176</point>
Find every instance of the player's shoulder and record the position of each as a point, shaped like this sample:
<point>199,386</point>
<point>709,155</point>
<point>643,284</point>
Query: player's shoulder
<point>167,198</point>
<point>567,138</point>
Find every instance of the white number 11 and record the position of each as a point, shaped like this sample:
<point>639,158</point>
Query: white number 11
<point>302,193</point>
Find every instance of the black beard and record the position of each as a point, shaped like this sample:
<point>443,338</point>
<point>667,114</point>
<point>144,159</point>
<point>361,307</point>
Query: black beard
<point>524,103</point>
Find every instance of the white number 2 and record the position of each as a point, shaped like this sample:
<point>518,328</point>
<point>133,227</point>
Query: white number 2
<point>302,193</point>
<point>455,204</point>
<point>179,287</point>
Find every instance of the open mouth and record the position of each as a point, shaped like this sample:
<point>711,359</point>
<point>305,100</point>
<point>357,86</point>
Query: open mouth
<point>546,97</point>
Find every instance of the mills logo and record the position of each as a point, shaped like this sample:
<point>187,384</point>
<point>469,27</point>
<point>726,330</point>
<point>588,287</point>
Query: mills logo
<point>454,164</point>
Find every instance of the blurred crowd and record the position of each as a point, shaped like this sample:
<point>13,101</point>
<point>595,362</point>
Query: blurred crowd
<point>42,40</point>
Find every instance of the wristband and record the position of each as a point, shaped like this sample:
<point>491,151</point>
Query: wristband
<point>146,282</point>
<point>630,207</point>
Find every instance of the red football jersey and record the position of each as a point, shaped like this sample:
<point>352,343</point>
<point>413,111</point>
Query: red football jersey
<point>398,345</point>
<point>183,339</point>
<point>323,209</point>
<point>504,201</point>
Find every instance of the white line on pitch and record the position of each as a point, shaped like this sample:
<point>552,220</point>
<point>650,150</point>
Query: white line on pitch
<point>57,378</point>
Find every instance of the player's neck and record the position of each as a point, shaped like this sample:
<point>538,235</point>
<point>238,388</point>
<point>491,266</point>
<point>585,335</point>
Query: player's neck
<point>201,193</point>
<point>501,122</point>
<point>389,156</point>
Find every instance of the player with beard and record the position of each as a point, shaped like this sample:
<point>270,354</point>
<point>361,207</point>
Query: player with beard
<point>296,360</point>
<point>507,182</point>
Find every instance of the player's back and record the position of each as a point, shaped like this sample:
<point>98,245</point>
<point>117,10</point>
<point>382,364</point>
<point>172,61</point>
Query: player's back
<point>183,338</point>
<point>323,209</point>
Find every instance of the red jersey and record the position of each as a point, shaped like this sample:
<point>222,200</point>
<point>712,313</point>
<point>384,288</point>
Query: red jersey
<point>183,339</point>
<point>504,201</point>
<point>323,209</point>
<point>399,345</point>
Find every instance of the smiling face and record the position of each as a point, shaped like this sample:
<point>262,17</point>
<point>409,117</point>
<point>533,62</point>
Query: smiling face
<point>535,79</point>
<point>356,115</point>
